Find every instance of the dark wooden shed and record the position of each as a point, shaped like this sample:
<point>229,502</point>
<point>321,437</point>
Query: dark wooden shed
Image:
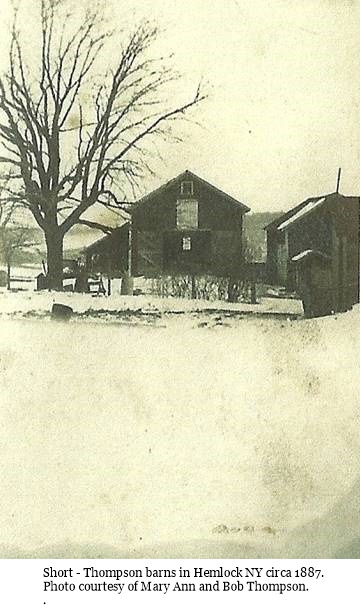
<point>328,227</point>
<point>109,255</point>
<point>187,226</point>
<point>313,282</point>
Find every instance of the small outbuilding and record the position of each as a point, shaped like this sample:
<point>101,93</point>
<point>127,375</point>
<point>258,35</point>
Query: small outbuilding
<point>109,255</point>
<point>314,248</point>
<point>313,282</point>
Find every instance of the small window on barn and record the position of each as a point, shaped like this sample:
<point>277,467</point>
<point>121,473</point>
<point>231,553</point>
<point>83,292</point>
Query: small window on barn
<point>186,243</point>
<point>187,214</point>
<point>187,188</point>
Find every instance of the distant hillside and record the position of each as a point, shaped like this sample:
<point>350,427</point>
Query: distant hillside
<point>255,235</point>
<point>28,255</point>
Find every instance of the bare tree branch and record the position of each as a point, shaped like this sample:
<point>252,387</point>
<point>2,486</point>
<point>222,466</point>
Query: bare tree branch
<point>95,225</point>
<point>66,155</point>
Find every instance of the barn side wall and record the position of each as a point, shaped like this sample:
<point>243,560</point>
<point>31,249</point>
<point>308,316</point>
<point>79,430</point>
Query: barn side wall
<point>345,253</point>
<point>213,252</point>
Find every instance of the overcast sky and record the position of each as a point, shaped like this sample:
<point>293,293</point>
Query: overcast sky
<point>284,109</point>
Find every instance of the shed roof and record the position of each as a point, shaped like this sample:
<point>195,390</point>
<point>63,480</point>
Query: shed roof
<point>187,174</point>
<point>307,254</point>
<point>310,205</point>
<point>108,236</point>
<point>296,213</point>
<point>96,222</point>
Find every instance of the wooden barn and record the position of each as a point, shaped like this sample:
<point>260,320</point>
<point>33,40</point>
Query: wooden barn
<point>314,247</point>
<point>187,226</point>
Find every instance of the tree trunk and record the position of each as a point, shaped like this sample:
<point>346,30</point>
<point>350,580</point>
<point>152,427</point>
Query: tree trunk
<point>8,277</point>
<point>54,248</point>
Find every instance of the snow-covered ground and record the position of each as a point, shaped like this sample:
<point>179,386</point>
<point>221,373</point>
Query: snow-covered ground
<point>229,442</point>
<point>24,299</point>
<point>104,308</point>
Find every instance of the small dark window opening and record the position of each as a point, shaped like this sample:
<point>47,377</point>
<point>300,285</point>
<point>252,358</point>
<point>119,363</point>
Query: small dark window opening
<point>187,188</point>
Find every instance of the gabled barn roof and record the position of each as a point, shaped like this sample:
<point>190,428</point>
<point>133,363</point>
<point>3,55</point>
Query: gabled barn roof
<point>187,175</point>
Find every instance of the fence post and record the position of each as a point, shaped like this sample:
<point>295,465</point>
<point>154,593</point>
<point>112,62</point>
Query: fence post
<point>8,277</point>
<point>253,293</point>
<point>193,286</point>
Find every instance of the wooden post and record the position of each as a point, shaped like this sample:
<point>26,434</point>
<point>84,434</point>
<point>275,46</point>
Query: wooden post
<point>109,277</point>
<point>338,181</point>
<point>127,280</point>
<point>130,250</point>
<point>8,277</point>
<point>127,285</point>
<point>231,290</point>
<point>193,286</point>
<point>253,293</point>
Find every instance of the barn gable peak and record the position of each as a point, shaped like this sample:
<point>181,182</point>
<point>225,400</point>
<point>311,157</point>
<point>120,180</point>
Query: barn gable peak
<point>187,176</point>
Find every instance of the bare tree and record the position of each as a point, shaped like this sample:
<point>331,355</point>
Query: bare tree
<point>68,153</point>
<point>14,236</point>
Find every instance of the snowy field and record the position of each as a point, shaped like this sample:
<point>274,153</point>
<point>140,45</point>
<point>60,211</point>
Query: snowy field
<point>240,440</point>
<point>23,301</point>
<point>144,310</point>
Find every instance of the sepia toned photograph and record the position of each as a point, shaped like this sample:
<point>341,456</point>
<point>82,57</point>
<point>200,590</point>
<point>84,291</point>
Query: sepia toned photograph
<point>179,279</point>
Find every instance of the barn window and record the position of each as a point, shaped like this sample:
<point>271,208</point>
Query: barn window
<point>187,188</point>
<point>186,243</point>
<point>187,214</point>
